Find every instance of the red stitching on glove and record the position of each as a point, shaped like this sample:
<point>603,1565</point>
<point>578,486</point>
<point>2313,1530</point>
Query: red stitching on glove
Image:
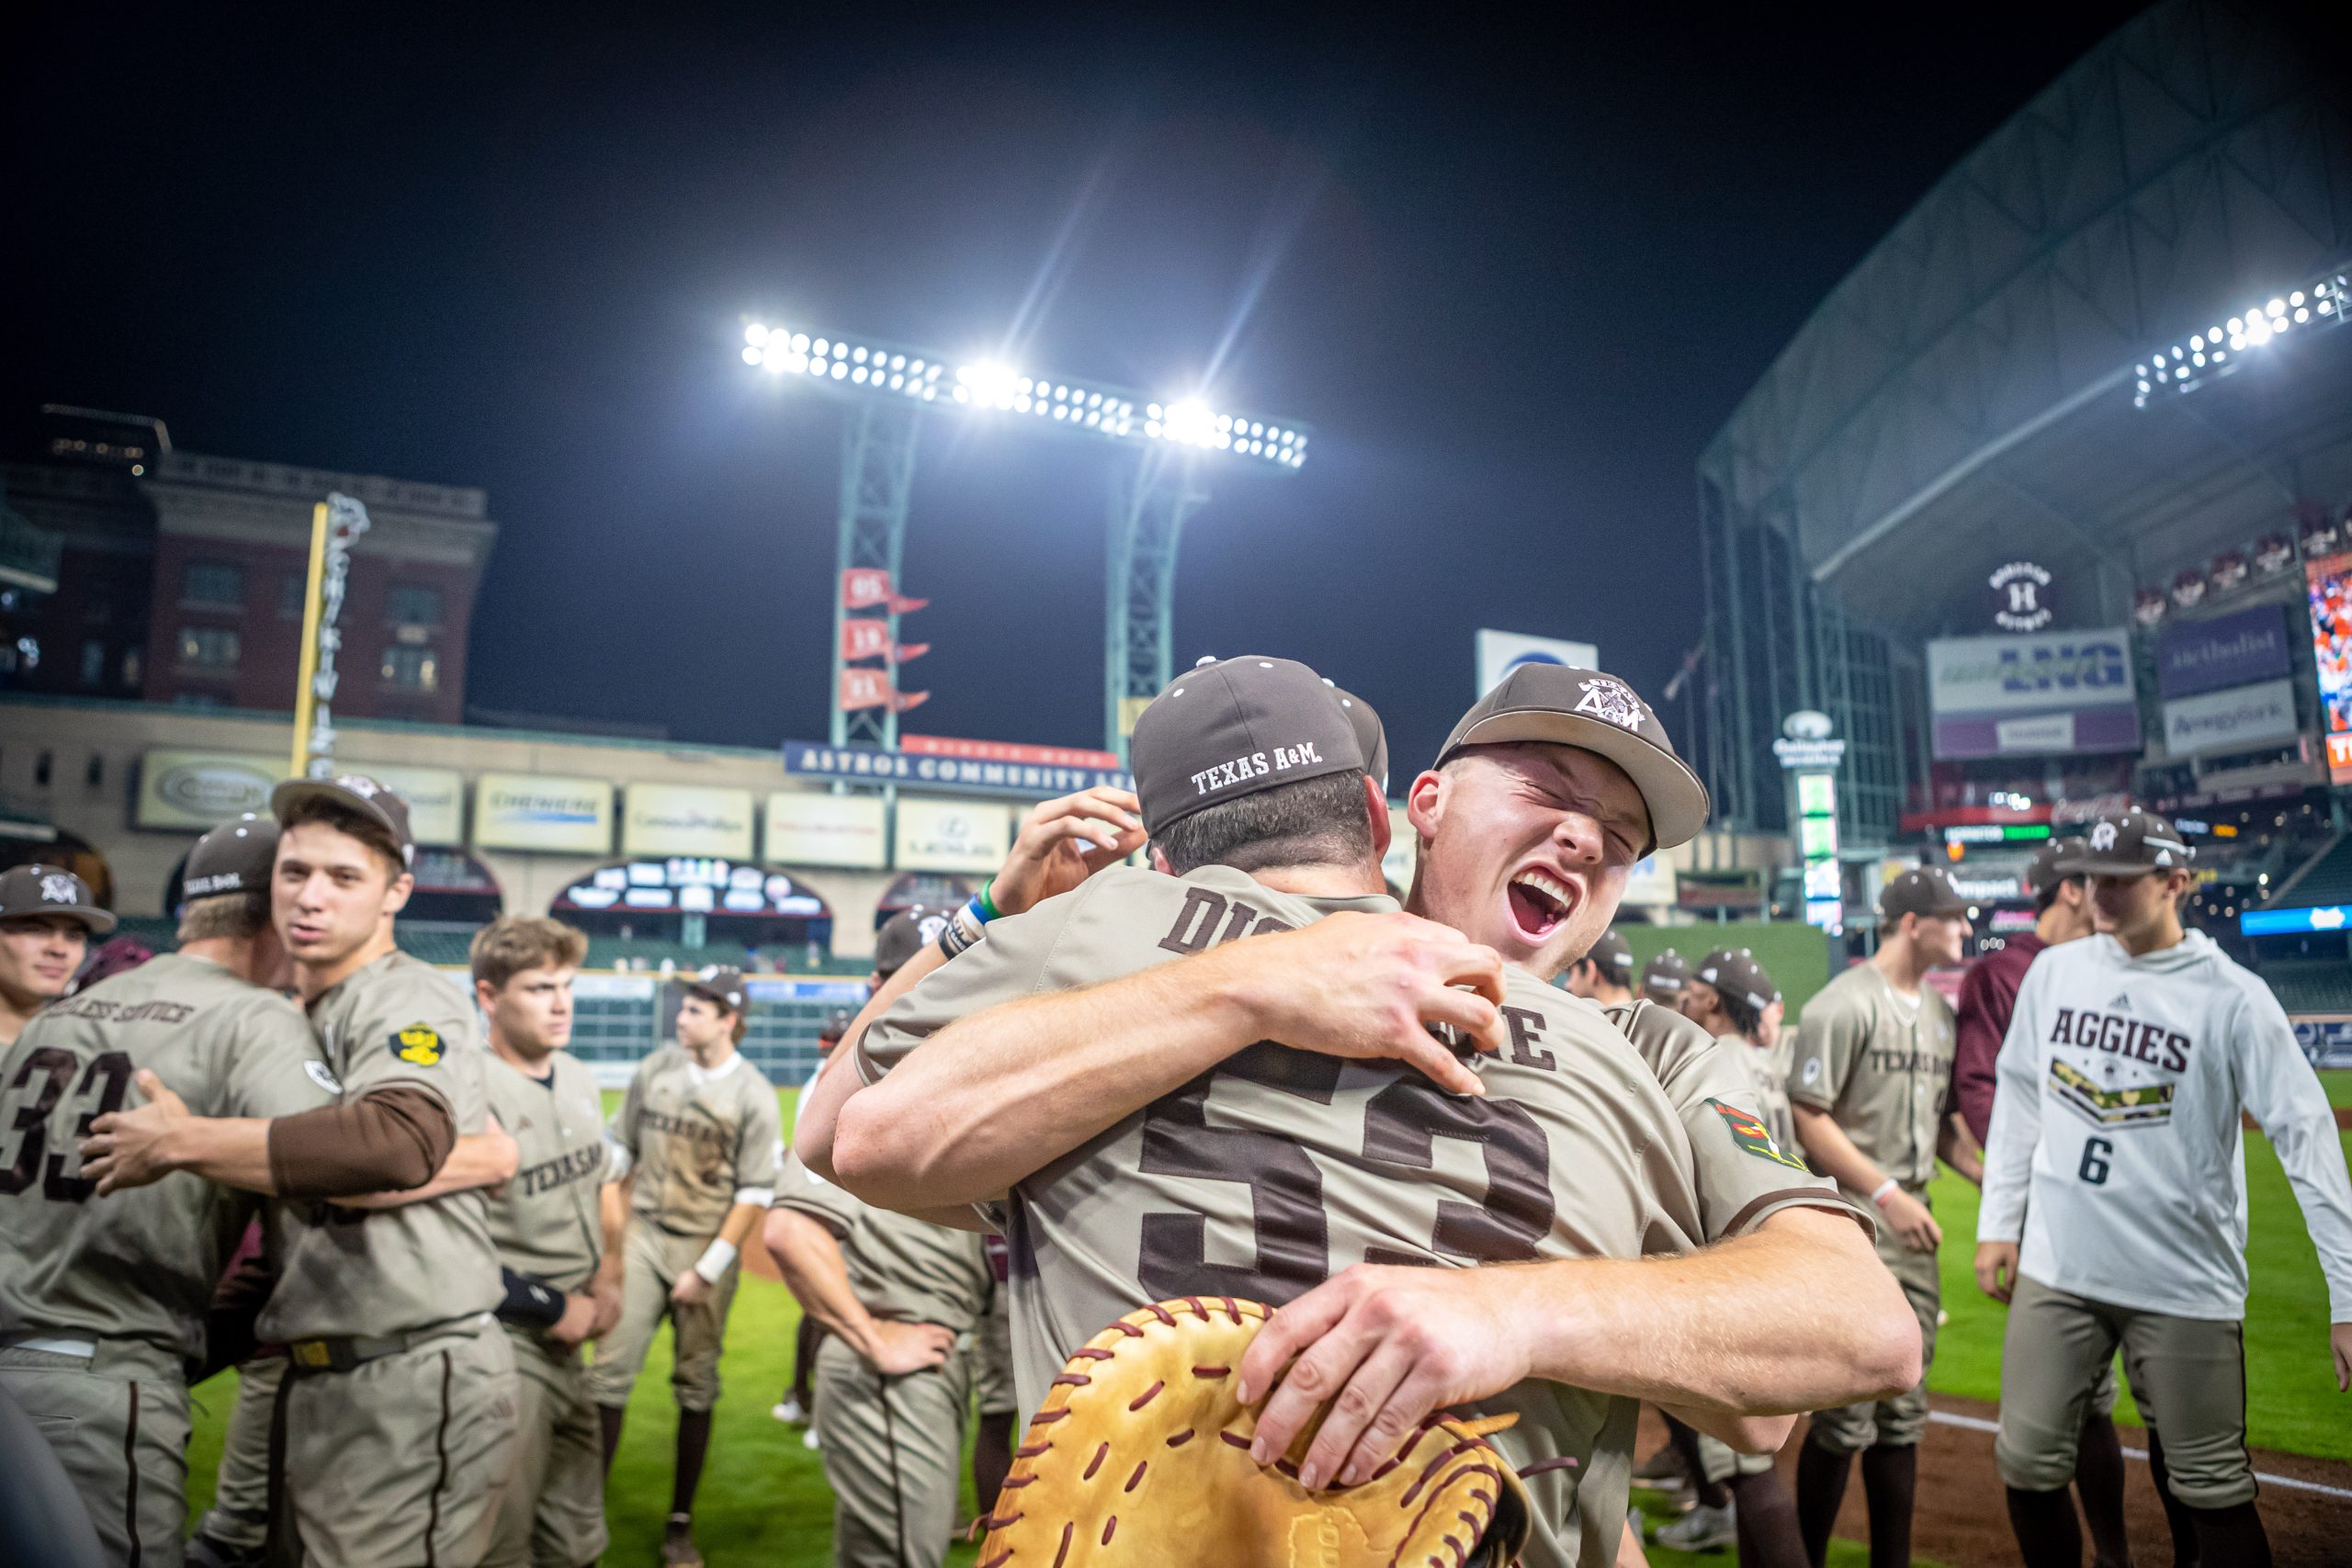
<point>1146,1397</point>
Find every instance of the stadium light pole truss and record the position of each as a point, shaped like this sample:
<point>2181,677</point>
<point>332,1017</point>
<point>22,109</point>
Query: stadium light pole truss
<point>2224,347</point>
<point>891,386</point>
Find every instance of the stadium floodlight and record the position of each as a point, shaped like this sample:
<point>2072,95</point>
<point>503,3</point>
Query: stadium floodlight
<point>2223,346</point>
<point>990,386</point>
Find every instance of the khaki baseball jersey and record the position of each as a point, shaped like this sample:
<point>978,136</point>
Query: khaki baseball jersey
<point>900,1268</point>
<point>396,1020</point>
<point>140,1264</point>
<point>1880,1066</point>
<point>695,1139</point>
<point>1279,1168</point>
<point>547,1223</point>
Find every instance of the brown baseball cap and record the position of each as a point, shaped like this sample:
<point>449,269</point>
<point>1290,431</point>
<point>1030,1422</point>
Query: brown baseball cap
<point>1923,890</point>
<point>1596,713</point>
<point>724,986</point>
<point>1666,975</point>
<point>38,889</point>
<point>1736,973</point>
<point>358,793</point>
<point>235,857</point>
<point>2132,844</point>
<point>1371,736</point>
<point>2053,863</point>
<point>1229,730</point>
<point>1615,959</point>
<point>905,934</point>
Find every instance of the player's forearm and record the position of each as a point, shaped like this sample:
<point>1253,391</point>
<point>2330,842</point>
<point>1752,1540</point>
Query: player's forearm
<point>230,1150</point>
<point>1000,1094</point>
<point>809,1257</point>
<point>1834,1154</point>
<point>478,1159</point>
<point>612,1219</point>
<point>737,1227</point>
<point>1736,1328</point>
<point>1956,1149</point>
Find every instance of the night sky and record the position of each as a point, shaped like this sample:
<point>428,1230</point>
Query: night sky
<point>1514,280</point>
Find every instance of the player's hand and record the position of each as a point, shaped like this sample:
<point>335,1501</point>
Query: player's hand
<point>1909,1218</point>
<point>2339,1339</point>
<point>128,1148</point>
<point>577,1321</point>
<point>691,1289</point>
<point>607,1293</point>
<point>505,1155</point>
<point>894,1348</point>
<point>1364,986</point>
<point>1063,843</point>
<point>1382,1346</point>
<point>1996,1276</point>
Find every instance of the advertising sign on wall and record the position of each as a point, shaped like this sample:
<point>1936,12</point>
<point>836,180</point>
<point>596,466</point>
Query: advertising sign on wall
<point>950,835</point>
<point>201,789</point>
<point>687,819</point>
<point>872,764</point>
<point>1499,652</point>
<point>436,798</point>
<point>532,811</point>
<point>2046,693</point>
<point>2235,720</point>
<point>827,830</point>
<point>2228,650</point>
<point>2331,589</point>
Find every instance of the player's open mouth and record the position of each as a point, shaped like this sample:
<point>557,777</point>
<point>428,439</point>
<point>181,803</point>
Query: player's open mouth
<point>1539,902</point>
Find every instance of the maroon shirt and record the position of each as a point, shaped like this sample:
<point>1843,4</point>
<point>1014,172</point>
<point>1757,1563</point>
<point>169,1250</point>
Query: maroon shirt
<point>1987,997</point>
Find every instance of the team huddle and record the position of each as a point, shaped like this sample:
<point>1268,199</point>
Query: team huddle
<point>1491,1213</point>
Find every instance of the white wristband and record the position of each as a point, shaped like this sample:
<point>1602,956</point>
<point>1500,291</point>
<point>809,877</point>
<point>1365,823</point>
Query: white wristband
<point>715,1259</point>
<point>1878,1195</point>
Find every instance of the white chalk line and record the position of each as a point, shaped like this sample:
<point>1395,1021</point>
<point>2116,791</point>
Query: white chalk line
<point>1978,1424</point>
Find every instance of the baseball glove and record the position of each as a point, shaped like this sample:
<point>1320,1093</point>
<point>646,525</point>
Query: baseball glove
<point>1140,1458</point>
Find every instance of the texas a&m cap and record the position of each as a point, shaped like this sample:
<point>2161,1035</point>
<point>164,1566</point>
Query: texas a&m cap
<point>2132,844</point>
<point>1229,730</point>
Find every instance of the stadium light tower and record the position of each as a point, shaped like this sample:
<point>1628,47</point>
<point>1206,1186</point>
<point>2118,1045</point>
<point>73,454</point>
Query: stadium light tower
<point>2219,350</point>
<point>891,388</point>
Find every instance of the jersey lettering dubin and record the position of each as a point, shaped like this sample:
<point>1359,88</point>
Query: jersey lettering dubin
<point>348,1271</point>
<point>547,1223</point>
<point>140,1264</point>
<point>1279,1168</point>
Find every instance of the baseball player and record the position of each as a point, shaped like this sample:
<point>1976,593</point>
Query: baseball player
<point>1664,978</point>
<point>1869,1080</point>
<point>699,1133</point>
<point>1093,1231</point>
<point>399,1401</point>
<point>2114,1209</point>
<point>2063,913</point>
<point>798,1400</point>
<point>47,919</point>
<point>1604,976</point>
<point>561,1270</point>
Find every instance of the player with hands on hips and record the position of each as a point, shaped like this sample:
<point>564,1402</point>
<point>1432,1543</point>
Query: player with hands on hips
<point>2114,1208</point>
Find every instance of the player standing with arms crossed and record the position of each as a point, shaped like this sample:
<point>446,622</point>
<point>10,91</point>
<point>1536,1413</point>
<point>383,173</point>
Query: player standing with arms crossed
<point>2114,1209</point>
<point>1869,1080</point>
<point>47,919</point>
<point>702,1136</point>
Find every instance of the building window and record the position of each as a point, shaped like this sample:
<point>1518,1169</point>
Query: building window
<point>196,699</point>
<point>292,590</point>
<point>41,770</point>
<point>133,657</point>
<point>95,774</point>
<point>413,604</point>
<point>411,670</point>
<point>213,582</point>
<point>94,663</point>
<point>209,648</point>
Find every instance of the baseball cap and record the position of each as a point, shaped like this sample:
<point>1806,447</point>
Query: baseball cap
<point>905,934</point>
<point>1226,730</point>
<point>1371,736</point>
<point>1923,890</point>
<point>38,889</point>
<point>1615,959</point>
<point>1667,974</point>
<point>723,986</point>
<point>1597,713</point>
<point>1737,974</point>
<point>2131,844</point>
<point>235,857</point>
<point>837,1024</point>
<point>2053,863</point>
<point>357,792</point>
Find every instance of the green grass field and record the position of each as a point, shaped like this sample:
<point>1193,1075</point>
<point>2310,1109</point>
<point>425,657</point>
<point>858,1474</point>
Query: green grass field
<point>765,1498</point>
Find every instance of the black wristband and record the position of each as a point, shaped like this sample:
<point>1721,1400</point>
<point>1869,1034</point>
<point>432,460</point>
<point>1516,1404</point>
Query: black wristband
<point>529,1303</point>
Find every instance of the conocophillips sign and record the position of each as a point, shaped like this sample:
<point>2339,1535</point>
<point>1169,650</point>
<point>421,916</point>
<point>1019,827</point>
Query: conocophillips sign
<point>203,789</point>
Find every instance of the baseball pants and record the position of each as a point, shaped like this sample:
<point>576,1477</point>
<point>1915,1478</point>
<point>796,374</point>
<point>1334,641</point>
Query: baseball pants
<point>239,1517</point>
<point>992,1355</point>
<point>2188,1373</point>
<point>1898,1422</point>
<point>1720,1462</point>
<point>893,1453</point>
<point>655,1259</point>
<point>401,1460</point>
<point>118,1420</point>
<point>552,1513</point>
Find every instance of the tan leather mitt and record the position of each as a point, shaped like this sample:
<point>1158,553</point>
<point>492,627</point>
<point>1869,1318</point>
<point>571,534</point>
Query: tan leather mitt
<point>1140,1457</point>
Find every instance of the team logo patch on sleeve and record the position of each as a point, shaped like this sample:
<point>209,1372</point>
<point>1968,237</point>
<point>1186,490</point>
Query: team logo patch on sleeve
<point>322,1076</point>
<point>1754,1136</point>
<point>418,1044</point>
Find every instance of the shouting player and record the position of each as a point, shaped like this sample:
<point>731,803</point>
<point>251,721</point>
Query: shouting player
<point>2114,1209</point>
<point>47,919</point>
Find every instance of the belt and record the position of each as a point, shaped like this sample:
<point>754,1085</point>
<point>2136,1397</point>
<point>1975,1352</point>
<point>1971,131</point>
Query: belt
<point>342,1352</point>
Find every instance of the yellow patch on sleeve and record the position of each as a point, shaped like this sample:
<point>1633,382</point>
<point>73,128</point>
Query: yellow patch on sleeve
<point>419,1046</point>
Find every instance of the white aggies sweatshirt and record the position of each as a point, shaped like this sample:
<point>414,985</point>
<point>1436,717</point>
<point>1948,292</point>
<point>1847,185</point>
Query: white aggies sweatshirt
<point>2115,1159</point>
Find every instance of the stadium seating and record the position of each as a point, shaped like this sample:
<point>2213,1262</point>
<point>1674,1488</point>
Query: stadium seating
<point>2326,880</point>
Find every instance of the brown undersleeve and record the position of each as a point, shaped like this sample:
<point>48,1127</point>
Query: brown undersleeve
<point>387,1140</point>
